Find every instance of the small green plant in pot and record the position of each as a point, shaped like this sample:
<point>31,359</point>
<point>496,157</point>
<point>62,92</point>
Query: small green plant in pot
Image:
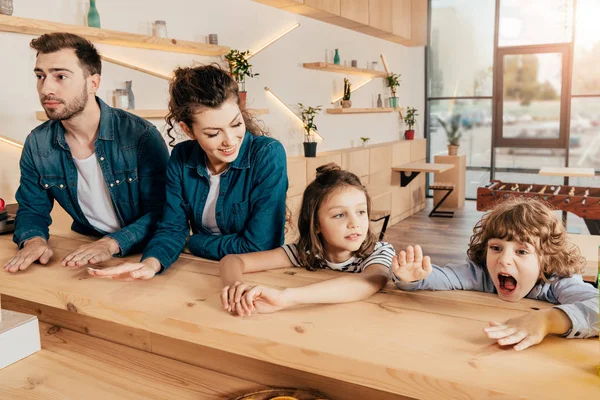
<point>392,81</point>
<point>346,102</point>
<point>240,68</point>
<point>409,120</point>
<point>453,132</point>
<point>364,140</point>
<point>308,114</point>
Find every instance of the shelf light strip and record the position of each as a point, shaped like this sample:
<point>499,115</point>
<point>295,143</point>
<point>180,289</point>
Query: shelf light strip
<point>10,141</point>
<point>270,42</point>
<point>135,67</point>
<point>290,110</point>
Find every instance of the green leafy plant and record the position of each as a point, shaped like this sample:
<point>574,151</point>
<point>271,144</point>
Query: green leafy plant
<point>347,92</point>
<point>392,81</point>
<point>452,128</point>
<point>365,139</point>
<point>308,114</point>
<point>239,66</point>
<point>409,117</point>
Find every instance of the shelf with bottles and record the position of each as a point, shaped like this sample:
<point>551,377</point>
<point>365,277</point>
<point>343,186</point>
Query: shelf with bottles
<point>351,110</point>
<point>154,114</point>
<point>30,26</point>
<point>344,69</point>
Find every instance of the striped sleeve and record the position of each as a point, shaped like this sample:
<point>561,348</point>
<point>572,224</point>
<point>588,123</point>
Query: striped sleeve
<point>382,254</point>
<point>291,250</point>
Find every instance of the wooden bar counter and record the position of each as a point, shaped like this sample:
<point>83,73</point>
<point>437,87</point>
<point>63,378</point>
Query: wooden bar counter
<point>394,345</point>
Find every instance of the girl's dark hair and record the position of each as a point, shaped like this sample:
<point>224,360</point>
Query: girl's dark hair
<point>193,88</point>
<point>528,221</point>
<point>311,249</point>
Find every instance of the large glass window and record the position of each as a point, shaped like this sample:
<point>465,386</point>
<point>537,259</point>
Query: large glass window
<point>461,53</point>
<point>586,62</point>
<point>535,22</point>
<point>538,86</point>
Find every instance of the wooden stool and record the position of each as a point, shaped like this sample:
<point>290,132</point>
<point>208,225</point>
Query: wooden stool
<point>448,187</point>
<point>378,215</point>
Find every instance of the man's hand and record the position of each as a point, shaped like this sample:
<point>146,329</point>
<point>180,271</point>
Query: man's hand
<point>91,253</point>
<point>34,249</point>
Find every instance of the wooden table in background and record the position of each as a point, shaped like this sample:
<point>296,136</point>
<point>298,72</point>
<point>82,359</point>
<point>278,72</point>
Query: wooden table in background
<point>394,345</point>
<point>409,171</point>
<point>567,171</point>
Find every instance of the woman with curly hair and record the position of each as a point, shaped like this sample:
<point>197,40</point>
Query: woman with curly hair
<point>519,249</point>
<point>227,184</point>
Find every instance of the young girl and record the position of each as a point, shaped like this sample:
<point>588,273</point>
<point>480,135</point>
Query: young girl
<point>334,234</point>
<point>228,184</point>
<point>519,249</point>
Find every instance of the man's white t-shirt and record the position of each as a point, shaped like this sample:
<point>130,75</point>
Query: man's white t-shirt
<point>94,197</point>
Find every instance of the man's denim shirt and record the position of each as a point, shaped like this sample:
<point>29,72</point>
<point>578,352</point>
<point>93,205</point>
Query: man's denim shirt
<point>133,158</point>
<point>250,209</point>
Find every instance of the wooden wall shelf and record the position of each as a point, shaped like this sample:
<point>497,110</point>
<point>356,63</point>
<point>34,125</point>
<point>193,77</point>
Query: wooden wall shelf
<point>39,27</point>
<point>361,110</point>
<point>342,69</point>
<point>154,114</point>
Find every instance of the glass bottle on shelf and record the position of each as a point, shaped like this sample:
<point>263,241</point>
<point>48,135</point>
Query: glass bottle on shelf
<point>159,29</point>
<point>6,7</point>
<point>336,58</point>
<point>93,17</point>
<point>130,96</point>
<point>379,101</point>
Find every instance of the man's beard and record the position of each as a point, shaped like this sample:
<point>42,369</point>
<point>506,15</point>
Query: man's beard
<point>70,110</point>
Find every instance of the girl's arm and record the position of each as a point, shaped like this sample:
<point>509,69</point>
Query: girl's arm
<point>233,266</point>
<point>344,289</point>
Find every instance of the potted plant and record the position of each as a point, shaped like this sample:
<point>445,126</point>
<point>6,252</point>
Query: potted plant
<point>308,115</point>
<point>393,81</point>
<point>364,140</point>
<point>409,120</point>
<point>240,68</point>
<point>453,133</point>
<point>346,102</point>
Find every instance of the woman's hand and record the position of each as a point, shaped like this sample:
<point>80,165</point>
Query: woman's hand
<point>129,271</point>
<point>411,266</point>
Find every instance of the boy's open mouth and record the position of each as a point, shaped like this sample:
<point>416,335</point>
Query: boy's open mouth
<point>507,283</point>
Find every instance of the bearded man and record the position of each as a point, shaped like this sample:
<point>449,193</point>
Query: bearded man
<point>104,166</point>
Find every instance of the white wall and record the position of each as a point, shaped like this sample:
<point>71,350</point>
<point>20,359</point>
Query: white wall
<point>240,24</point>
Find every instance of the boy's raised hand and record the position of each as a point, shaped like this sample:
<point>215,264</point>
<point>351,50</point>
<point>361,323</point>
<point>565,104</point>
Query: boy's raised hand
<point>410,265</point>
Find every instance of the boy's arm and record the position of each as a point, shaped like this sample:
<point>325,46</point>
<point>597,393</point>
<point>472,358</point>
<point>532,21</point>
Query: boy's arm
<point>579,301</point>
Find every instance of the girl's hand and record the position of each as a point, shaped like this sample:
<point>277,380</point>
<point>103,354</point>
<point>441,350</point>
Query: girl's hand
<point>266,300</point>
<point>233,300</point>
<point>523,332</point>
<point>411,266</point>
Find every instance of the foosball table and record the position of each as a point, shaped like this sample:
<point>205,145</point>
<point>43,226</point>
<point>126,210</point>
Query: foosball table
<point>580,200</point>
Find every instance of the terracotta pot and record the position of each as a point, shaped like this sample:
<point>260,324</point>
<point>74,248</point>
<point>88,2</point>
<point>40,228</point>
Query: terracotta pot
<point>242,98</point>
<point>346,103</point>
<point>409,134</point>
<point>452,150</point>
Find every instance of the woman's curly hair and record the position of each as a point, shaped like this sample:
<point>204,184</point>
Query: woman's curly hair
<point>311,248</point>
<point>528,221</point>
<point>204,86</point>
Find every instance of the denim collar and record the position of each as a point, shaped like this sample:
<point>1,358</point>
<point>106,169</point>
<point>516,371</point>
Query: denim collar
<point>197,158</point>
<point>105,128</point>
